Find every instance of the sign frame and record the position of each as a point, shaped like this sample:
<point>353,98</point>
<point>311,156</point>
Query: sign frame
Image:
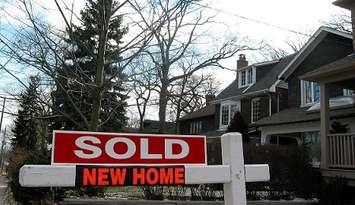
<point>233,173</point>
<point>128,134</point>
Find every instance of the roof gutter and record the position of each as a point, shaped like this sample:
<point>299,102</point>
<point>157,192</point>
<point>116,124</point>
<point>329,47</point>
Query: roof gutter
<point>238,97</point>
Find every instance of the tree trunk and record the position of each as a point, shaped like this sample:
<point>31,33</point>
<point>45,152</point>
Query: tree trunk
<point>99,80</point>
<point>163,101</point>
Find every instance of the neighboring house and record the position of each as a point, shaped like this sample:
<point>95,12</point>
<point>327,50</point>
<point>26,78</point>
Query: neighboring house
<point>255,93</point>
<point>337,149</point>
<point>152,127</point>
<point>300,122</point>
<point>202,121</point>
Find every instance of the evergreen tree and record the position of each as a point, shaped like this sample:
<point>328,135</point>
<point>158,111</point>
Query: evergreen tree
<point>75,79</point>
<point>27,145</point>
<point>26,124</point>
<point>238,124</point>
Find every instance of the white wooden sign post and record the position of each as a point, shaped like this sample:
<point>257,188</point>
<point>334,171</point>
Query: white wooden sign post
<point>232,173</point>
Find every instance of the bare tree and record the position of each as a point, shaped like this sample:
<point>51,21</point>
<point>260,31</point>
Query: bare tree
<point>42,47</point>
<point>188,94</point>
<point>340,22</point>
<point>143,86</point>
<point>177,49</point>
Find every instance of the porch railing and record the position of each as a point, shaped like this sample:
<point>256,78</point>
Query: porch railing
<point>341,150</point>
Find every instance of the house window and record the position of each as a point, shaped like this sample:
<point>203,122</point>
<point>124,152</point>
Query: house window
<point>250,76</point>
<point>228,109</point>
<point>310,92</point>
<point>243,78</point>
<point>312,141</point>
<point>225,115</point>
<point>348,92</point>
<point>246,77</point>
<point>196,127</point>
<point>255,109</point>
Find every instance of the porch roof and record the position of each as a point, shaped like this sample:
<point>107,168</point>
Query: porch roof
<point>336,71</point>
<point>300,114</point>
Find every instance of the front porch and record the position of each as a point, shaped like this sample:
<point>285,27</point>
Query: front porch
<point>337,149</point>
<point>341,151</point>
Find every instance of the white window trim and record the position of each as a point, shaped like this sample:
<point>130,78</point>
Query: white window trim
<point>253,68</point>
<point>195,127</point>
<point>346,92</point>
<point>252,110</point>
<point>229,104</point>
<point>303,95</point>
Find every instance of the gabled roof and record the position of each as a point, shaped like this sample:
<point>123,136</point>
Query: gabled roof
<point>270,73</point>
<point>203,112</point>
<point>329,71</point>
<point>312,43</point>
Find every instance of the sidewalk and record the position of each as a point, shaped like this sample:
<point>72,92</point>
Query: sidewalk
<point>146,202</point>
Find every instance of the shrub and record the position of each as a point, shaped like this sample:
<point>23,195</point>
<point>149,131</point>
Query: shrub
<point>238,124</point>
<point>291,171</point>
<point>25,195</point>
<point>335,191</point>
<point>214,151</point>
<point>153,192</point>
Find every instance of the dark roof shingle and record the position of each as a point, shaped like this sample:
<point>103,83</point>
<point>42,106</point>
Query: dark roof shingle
<point>203,112</point>
<point>300,114</point>
<point>263,82</point>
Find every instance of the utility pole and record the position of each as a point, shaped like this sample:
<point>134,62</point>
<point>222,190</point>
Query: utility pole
<point>2,158</point>
<point>2,111</point>
<point>3,141</point>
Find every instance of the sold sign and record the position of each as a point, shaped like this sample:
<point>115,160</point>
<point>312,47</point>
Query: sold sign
<point>90,148</point>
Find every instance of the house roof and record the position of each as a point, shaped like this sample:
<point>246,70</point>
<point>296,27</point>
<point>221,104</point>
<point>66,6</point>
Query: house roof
<point>152,126</point>
<point>330,70</point>
<point>264,82</point>
<point>203,112</point>
<point>267,81</point>
<point>312,43</point>
<point>346,4</point>
<point>300,114</point>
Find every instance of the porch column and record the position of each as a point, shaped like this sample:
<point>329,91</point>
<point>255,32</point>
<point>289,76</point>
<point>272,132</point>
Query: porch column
<point>324,124</point>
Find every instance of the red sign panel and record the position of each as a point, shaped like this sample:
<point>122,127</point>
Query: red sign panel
<point>129,176</point>
<point>71,147</point>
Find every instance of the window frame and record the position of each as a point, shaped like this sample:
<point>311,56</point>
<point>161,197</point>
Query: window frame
<point>228,104</point>
<point>249,74</point>
<point>196,127</point>
<point>304,95</point>
<point>348,92</point>
<point>252,109</point>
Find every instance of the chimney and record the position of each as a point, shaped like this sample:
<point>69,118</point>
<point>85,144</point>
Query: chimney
<point>242,62</point>
<point>209,99</point>
<point>350,5</point>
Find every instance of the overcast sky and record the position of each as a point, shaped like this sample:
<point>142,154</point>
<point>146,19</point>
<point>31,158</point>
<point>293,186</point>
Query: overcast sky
<point>269,21</point>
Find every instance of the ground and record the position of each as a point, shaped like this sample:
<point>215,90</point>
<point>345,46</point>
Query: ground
<point>3,187</point>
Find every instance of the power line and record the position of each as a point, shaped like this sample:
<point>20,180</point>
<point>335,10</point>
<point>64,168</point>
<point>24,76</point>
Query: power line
<point>253,20</point>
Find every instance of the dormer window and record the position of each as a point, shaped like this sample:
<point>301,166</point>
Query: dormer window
<point>246,77</point>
